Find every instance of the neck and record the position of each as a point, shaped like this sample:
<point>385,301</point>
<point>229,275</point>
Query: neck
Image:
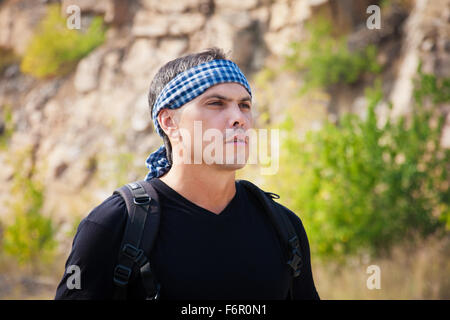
<point>202,184</point>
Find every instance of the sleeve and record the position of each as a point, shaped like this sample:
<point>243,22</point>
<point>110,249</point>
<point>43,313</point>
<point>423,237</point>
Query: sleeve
<point>90,265</point>
<point>303,286</point>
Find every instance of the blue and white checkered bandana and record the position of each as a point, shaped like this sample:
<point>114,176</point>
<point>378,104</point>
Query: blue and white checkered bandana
<point>185,87</point>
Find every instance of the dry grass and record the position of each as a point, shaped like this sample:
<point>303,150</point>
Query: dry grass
<point>32,281</point>
<point>409,273</point>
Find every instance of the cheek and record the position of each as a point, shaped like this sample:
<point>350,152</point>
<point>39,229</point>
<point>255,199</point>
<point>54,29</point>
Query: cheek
<point>194,124</point>
<point>250,119</point>
<point>208,119</point>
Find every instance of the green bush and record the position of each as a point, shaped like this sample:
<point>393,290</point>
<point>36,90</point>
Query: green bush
<point>429,87</point>
<point>30,237</point>
<point>358,186</point>
<point>123,162</point>
<point>324,59</point>
<point>6,121</point>
<point>55,49</point>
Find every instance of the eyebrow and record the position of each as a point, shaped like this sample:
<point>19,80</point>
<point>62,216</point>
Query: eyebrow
<point>218,96</point>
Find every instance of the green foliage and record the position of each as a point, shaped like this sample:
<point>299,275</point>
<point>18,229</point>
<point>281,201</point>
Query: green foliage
<point>123,162</point>
<point>325,60</point>
<point>428,86</point>
<point>30,237</point>
<point>361,186</point>
<point>55,49</point>
<point>7,129</point>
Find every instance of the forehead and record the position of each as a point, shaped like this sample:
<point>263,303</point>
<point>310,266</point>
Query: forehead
<point>229,90</point>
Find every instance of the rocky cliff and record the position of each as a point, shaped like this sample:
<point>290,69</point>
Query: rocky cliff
<point>90,130</point>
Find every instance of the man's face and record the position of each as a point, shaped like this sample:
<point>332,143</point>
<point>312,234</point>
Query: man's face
<point>211,123</point>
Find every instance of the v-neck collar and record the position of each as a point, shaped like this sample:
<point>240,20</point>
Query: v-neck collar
<point>174,195</point>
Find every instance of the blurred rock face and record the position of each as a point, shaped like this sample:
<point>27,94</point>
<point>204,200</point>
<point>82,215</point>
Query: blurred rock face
<point>88,122</point>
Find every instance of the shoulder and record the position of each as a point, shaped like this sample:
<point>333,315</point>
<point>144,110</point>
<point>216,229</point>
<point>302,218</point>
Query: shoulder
<point>94,250</point>
<point>291,215</point>
<point>101,228</point>
<point>110,215</point>
<point>294,218</point>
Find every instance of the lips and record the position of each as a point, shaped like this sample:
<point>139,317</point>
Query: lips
<point>238,139</point>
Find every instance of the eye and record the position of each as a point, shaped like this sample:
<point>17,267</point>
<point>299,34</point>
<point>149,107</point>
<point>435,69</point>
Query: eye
<point>245,105</point>
<point>217,103</point>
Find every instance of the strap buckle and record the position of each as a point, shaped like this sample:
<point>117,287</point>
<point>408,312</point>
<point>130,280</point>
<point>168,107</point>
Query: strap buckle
<point>142,200</point>
<point>121,275</point>
<point>156,296</point>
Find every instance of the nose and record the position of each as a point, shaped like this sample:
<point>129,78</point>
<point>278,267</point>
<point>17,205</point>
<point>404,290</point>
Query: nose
<point>237,117</point>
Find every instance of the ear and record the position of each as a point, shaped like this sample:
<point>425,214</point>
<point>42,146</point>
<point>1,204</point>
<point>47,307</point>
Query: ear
<point>168,122</point>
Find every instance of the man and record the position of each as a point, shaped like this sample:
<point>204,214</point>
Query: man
<point>214,242</point>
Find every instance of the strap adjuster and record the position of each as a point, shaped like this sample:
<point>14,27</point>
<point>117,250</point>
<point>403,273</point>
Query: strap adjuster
<point>135,254</point>
<point>131,251</point>
<point>121,275</point>
<point>296,261</point>
<point>140,197</point>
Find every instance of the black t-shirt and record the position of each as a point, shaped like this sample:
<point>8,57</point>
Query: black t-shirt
<point>197,254</point>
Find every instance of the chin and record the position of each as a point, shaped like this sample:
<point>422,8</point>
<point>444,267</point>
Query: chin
<point>229,167</point>
<point>232,165</point>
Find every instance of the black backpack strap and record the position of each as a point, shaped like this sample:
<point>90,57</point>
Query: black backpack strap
<point>283,227</point>
<point>143,213</point>
<point>151,286</point>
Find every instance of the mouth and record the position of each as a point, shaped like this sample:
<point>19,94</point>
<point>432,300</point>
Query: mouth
<point>238,140</point>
